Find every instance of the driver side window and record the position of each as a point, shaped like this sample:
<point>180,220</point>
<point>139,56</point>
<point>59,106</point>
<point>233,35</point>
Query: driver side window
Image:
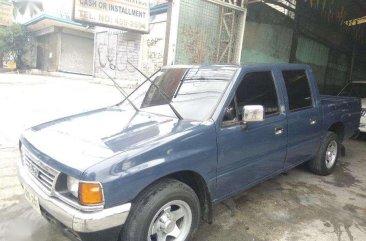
<point>256,88</point>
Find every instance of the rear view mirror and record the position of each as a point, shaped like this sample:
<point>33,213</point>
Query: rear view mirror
<point>253,113</point>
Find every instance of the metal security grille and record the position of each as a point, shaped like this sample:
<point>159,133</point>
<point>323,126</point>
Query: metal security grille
<point>226,35</point>
<point>197,32</point>
<point>232,24</point>
<point>209,33</point>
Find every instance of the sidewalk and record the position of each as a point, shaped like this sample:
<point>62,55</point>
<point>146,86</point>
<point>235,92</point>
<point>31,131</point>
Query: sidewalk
<point>70,76</point>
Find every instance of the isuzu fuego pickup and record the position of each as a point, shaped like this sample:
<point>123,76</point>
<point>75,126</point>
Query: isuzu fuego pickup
<point>151,167</point>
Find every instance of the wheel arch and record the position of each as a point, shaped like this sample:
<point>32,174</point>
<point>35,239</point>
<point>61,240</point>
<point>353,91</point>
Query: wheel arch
<point>339,129</point>
<point>199,186</point>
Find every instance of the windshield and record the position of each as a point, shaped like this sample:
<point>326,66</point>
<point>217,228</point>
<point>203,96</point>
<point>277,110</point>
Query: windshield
<point>355,90</point>
<point>193,92</point>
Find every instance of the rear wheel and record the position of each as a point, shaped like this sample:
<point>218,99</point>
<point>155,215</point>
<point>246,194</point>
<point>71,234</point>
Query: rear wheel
<point>327,157</point>
<point>167,211</point>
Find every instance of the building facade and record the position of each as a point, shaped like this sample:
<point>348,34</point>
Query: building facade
<point>61,45</point>
<point>113,49</point>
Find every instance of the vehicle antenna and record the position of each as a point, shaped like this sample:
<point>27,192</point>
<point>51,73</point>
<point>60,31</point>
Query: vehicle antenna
<point>119,88</point>
<point>344,88</point>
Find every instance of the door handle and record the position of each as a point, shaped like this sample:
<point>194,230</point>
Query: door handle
<point>312,121</point>
<point>278,131</point>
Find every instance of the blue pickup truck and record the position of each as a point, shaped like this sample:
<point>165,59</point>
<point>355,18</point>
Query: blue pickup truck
<point>151,167</point>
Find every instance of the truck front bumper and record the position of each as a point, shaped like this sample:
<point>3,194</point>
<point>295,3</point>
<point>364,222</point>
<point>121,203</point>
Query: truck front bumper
<point>74,219</point>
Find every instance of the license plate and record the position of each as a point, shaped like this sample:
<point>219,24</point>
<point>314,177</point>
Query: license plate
<point>32,199</point>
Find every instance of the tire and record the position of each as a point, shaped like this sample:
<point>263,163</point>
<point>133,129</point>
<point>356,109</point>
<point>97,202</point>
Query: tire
<point>327,156</point>
<point>155,212</point>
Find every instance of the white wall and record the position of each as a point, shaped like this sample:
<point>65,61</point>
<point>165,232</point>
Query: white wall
<point>114,47</point>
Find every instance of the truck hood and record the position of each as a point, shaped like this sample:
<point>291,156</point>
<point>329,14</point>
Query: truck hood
<point>73,144</point>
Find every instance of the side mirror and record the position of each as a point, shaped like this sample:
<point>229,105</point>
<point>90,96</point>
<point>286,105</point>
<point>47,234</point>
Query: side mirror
<point>253,113</point>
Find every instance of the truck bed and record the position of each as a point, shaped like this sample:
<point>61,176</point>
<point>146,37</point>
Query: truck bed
<point>343,110</point>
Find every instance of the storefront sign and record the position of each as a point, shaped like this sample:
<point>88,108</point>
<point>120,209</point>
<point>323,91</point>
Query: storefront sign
<point>6,13</point>
<point>130,15</point>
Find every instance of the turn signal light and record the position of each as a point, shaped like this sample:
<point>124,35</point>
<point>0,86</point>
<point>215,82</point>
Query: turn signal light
<point>90,193</point>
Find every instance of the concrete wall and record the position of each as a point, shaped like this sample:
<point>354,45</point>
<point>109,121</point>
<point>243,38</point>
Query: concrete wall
<point>77,53</point>
<point>266,43</point>
<point>267,37</point>
<point>337,72</point>
<point>359,72</point>
<point>315,54</point>
<point>112,49</point>
<point>153,44</point>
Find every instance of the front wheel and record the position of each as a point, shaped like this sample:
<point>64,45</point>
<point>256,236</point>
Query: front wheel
<point>167,211</point>
<point>327,157</point>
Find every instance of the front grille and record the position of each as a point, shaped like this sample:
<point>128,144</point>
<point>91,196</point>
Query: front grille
<point>44,174</point>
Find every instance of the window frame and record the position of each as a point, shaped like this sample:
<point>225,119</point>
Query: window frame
<point>232,123</point>
<point>310,89</point>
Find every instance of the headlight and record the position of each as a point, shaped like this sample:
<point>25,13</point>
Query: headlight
<point>73,186</point>
<point>88,193</point>
<point>363,112</point>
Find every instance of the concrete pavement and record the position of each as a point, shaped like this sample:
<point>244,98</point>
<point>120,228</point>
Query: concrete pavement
<point>293,207</point>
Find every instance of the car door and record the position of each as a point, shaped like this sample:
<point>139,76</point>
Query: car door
<point>304,117</point>
<point>255,152</point>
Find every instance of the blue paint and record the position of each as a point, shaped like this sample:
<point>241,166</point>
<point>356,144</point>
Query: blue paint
<point>127,151</point>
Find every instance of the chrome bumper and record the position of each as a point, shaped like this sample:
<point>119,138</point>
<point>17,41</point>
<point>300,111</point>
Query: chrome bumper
<point>76,220</point>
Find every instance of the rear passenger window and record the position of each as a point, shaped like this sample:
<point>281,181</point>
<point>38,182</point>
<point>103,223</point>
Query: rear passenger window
<point>298,89</point>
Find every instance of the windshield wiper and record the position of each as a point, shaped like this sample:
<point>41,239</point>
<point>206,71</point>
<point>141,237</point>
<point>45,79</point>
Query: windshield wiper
<point>162,93</point>
<point>119,88</point>
<point>138,87</point>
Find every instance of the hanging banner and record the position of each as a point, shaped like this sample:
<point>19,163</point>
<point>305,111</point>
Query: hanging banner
<point>129,15</point>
